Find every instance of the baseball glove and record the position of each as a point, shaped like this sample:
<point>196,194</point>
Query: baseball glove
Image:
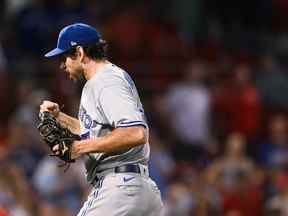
<point>54,134</point>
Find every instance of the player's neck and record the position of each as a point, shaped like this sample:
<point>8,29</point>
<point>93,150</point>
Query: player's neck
<point>92,67</point>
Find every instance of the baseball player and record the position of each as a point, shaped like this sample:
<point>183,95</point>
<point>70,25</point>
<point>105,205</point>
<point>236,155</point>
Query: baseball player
<point>111,122</point>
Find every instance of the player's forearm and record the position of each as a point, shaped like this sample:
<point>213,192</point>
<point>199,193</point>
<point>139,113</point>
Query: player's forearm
<point>69,122</point>
<point>119,139</point>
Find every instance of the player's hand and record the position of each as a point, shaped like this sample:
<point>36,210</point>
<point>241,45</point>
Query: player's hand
<point>49,106</point>
<point>74,152</point>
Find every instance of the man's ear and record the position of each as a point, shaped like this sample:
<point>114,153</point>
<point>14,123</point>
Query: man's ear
<point>80,53</point>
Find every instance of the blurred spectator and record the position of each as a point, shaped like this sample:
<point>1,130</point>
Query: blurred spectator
<point>277,205</point>
<point>178,200</point>
<point>162,163</point>
<point>272,82</point>
<point>14,188</point>
<point>199,198</point>
<point>28,109</point>
<point>14,6</point>
<point>233,175</point>
<point>273,152</point>
<point>59,189</point>
<point>237,103</point>
<point>187,104</point>
<point>225,171</point>
<point>206,199</point>
<point>244,200</point>
<point>133,39</point>
<point>22,149</point>
<point>190,20</point>
<point>29,99</point>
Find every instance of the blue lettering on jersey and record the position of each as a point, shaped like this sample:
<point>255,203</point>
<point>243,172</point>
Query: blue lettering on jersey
<point>85,118</point>
<point>85,135</point>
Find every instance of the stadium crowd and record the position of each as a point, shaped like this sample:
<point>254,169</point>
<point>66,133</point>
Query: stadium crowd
<point>213,79</point>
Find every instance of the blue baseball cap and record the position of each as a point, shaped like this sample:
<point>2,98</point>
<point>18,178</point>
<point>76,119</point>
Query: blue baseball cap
<point>73,35</point>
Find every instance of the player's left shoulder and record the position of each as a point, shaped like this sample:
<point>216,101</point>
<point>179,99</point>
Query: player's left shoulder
<point>116,76</point>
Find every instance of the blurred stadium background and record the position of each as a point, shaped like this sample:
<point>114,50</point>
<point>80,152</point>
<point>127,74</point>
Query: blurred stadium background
<point>214,83</point>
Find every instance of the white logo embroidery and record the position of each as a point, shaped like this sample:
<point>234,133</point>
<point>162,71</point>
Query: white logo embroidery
<point>73,43</point>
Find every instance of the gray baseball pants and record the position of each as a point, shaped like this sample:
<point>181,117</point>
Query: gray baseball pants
<point>123,194</point>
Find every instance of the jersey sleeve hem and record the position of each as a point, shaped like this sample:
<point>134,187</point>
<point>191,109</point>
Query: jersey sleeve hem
<point>131,123</point>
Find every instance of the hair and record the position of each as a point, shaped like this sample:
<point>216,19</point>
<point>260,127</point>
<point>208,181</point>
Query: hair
<point>97,51</point>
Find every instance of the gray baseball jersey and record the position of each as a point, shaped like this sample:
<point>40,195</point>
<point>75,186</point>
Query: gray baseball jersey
<point>110,100</point>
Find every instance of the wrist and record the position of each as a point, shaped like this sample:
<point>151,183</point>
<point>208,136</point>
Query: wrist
<point>56,113</point>
<point>60,118</point>
<point>85,146</point>
<point>76,150</point>
<point>80,147</point>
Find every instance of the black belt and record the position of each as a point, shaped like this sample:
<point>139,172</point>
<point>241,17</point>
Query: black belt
<point>128,168</point>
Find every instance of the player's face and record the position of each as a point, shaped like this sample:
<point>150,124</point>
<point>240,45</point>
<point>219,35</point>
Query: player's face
<point>72,66</point>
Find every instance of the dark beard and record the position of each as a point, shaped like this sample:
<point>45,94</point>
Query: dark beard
<point>77,77</point>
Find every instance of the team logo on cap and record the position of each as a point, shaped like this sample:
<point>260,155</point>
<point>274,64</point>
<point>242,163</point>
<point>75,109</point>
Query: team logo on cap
<point>73,43</point>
